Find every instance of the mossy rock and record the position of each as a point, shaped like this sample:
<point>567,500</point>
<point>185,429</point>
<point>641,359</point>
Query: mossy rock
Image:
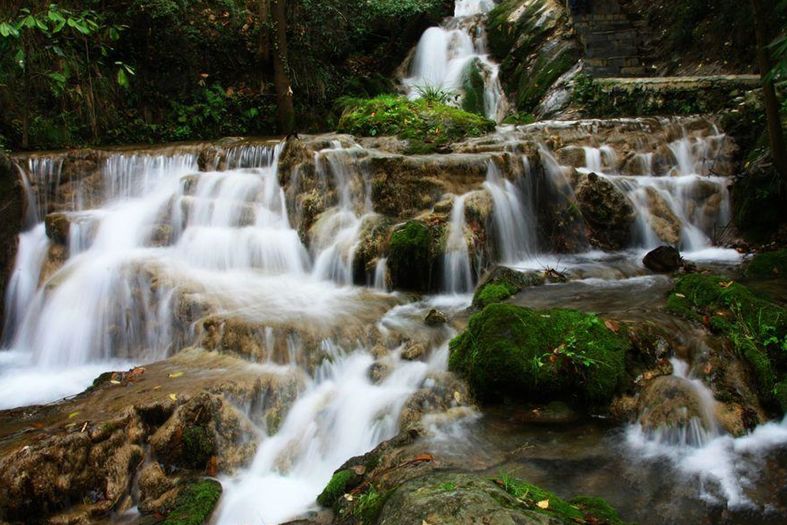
<point>423,121</point>
<point>198,446</point>
<point>512,352</point>
<point>756,327</point>
<point>461,498</point>
<point>473,87</point>
<point>503,282</point>
<point>195,503</point>
<point>410,257</point>
<point>768,264</point>
<point>339,484</point>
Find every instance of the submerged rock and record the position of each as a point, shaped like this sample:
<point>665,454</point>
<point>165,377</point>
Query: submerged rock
<point>664,259</point>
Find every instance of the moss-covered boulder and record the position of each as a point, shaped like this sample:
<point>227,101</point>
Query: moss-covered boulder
<point>195,503</point>
<point>756,327</point>
<point>427,123</point>
<point>460,498</point>
<point>410,257</point>
<point>768,264</point>
<point>513,352</point>
<point>532,39</point>
<point>503,282</point>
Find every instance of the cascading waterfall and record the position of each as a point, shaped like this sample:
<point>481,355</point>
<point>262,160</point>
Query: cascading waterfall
<point>337,234</point>
<point>514,214</point>
<point>457,271</point>
<point>687,193</point>
<point>453,58</point>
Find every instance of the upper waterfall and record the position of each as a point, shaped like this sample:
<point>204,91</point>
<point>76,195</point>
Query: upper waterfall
<point>453,58</point>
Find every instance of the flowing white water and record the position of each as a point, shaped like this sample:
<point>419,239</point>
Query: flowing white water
<point>453,57</point>
<point>457,271</point>
<point>514,214</point>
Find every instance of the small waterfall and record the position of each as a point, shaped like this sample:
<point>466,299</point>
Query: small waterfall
<point>457,271</point>
<point>336,235</point>
<point>514,215</point>
<point>686,205</point>
<point>453,58</point>
<point>381,274</point>
<point>40,180</point>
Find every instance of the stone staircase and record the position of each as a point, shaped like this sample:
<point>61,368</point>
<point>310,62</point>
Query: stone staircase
<point>610,39</point>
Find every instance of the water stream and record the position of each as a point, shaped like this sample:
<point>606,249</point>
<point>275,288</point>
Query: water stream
<point>453,58</point>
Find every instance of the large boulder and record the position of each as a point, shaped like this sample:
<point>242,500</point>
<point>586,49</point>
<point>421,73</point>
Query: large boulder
<point>608,213</point>
<point>513,352</point>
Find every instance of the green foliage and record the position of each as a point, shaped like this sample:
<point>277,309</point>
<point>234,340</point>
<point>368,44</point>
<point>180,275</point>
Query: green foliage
<point>435,95</point>
<point>336,487</point>
<point>768,264</point>
<point>369,506</point>
<point>598,508</point>
<point>422,120</point>
<point>195,503</point>
<point>509,351</point>
<point>756,327</point>
<point>473,101</point>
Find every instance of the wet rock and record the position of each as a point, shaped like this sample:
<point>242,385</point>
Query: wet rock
<point>671,402</point>
<point>461,499</point>
<point>195,503</point>
<point>435,318</point>
<point>439,393</point>
<point>157,492</point>
<point>201,428</point>
<point>607,211</point>
<point>502,282</point>
<point>413,351</point>
<point>45,477</point>
<point>410,257</point>
<point>57,227</point>
<point>378,371</point>
<point>664,259</point>
<point>664,223</point>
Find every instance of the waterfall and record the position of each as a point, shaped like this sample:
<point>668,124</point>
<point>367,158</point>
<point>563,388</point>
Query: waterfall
<point>457,271</point>
<point>381,274</point>
<point>336,235</point>
<point>453,57</point>
<point>514,215</point>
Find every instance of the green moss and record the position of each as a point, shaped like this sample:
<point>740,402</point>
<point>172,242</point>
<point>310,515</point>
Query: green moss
<point>198,446</point>
<point>409,256</point>
<point>423,120</point>
<point>549,66</point>
<point>509,351</point>
<point>473,87</point>
<point>493,293</point>
<point>599,509</point>
<point>335,488</point>
<point>195,503</point>
<point>531,495</point>
<point>768,264</point>
<point>756,327</point>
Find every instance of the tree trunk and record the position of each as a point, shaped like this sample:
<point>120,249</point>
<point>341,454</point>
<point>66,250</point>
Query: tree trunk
<point>264,49</point>
<point>281,69</point>
<point>775,133</point>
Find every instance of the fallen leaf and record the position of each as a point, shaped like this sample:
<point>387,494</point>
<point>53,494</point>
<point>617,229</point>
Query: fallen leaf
<point>423,457</point>
<point>157,387</point>
<point>72,415</point>
<point>173,375</point>
<point>543,504</point>
<point>726,284</point>
<point>173,397</point>
<point>115,382</point>
<point>348,497</point>
<point>213,466</point>
<point>612,326</point>
<point>680,295</point>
